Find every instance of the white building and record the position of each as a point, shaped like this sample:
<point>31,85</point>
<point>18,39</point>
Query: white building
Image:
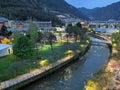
<point>5,49</point>
<point>24,25</point>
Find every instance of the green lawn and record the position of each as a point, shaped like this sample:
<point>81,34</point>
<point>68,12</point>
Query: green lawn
<point>5,62</point>
<point>11,66</point>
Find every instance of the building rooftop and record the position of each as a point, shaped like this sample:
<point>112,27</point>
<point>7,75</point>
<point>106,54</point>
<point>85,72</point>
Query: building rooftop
<point>3,19</point>
<point>4,46</point>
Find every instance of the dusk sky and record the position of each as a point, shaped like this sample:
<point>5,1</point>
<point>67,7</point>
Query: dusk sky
<point>91,3</point>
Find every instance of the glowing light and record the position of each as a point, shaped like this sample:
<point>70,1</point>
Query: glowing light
<point>12,39</point>
<point>91,85</point>
<point>114,44</point>
<point>89,29</point>
<point>118,31</point>
<point>87,41</point>
<point>68,52</point>
<point>113,40</point>
<point>82,45</point>
<point>44,62</point>
<point>109,37</point>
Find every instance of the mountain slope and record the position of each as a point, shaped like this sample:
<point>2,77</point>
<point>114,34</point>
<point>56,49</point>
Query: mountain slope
<point>63,7</point>
<point>22,9</point>
<point>37,9</point>
<point>105,13</point>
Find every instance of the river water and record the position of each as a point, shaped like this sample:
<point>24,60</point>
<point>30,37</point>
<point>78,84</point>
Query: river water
<point>74,76</point>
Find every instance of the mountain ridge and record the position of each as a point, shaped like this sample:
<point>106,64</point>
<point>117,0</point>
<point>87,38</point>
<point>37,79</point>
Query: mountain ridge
<point>105,13</point>
<point>37,9</point>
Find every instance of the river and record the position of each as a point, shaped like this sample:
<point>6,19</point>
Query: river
<point>74,76</point>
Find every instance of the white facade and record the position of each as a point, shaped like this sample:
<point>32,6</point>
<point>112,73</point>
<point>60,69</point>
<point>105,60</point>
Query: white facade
<point>5,49</point>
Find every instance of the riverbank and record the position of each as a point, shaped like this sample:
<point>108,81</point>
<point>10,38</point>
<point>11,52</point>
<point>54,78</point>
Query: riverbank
<point>9,65</point>
<point>38,73</point>
<point>114,67</point>
<point>108,77</point>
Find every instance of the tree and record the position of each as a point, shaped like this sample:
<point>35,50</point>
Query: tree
<point>23,47</point>
<point>76,32</point>
<point>60,35</point>
<point>40,36</point>
<point>82,31</point>
<point>69,29</point>
<point>51,38</point>
<point>33,33</point>
<point>5,32</point>
<point>79,25</point>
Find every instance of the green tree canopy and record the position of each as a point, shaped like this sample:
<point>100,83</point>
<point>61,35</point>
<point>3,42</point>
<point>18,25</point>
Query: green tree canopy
<point>23,47</point>
<point>69,29</point>
<point>76,30</point>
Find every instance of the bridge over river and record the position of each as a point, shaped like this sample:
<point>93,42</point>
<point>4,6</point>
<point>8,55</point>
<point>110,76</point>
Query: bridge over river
<point>104,24</point>
<point>75,75</point>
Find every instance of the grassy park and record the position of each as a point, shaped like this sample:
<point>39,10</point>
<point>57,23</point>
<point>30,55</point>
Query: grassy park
<point>10,66</point>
